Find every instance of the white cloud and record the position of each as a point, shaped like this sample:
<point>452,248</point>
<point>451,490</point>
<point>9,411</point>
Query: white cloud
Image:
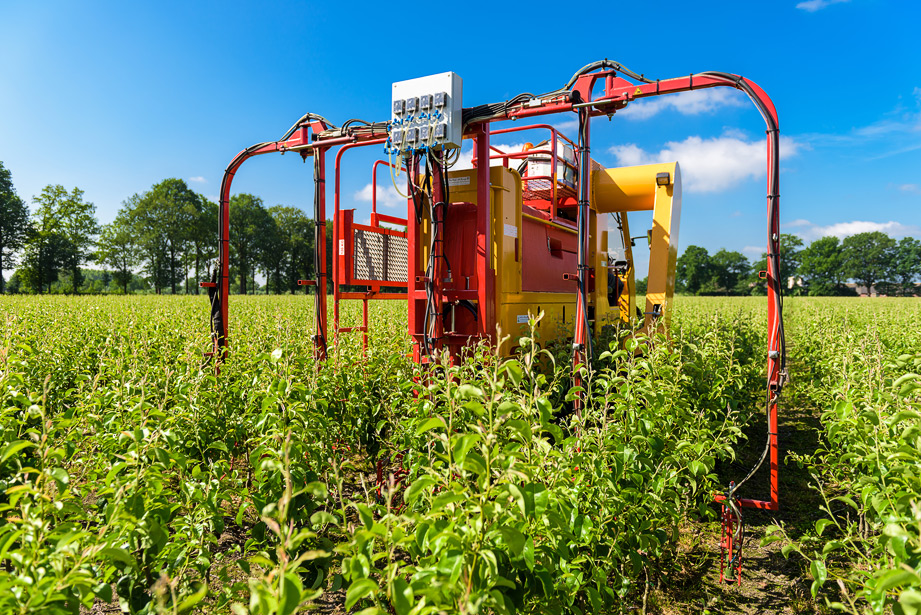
<point>754,251</point>
<point>568,126</point>
<point>812,6</point>
<point>911,188</point>
<point>198,179</point>
<point>810,232</point>
<point>685,103</point>
<point>387,195</point>
<point>709,165</point>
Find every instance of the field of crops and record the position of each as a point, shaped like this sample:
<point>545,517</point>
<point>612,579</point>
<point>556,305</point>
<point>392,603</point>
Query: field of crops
<point>132,479</point>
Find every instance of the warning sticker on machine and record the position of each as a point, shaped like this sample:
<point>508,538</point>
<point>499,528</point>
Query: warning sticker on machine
<point>342,247</point>
<point>463,180</point>
<point>522,319</point>
<point>511,230</point>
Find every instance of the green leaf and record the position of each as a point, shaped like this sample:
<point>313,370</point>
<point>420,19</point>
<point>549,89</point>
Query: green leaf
<point>514,539</point>
<point>401,596</point>
<point>291,598</point>
<point>521,428</point>
<point>321,517</point>
<point>910,601</point>
<point>462,444</point>
<point>821,524</point>
<point>468,391</point>
<point>830,546</point>
<point>444,499</point>
<point>819,573</point>
<point>118,554</point>
<point>317,490</point>
<point>514,371</point>
<point>415,490</point>
<point>895,578</point>
<point>435,421</point>
<point>358,590</point>
<point>103,591</point>
<point>12,448</point>
<point>190,601</point>
<point>595,598</point>
<point>847,500</point>
<point>367,517</point>
<point>60,476</point>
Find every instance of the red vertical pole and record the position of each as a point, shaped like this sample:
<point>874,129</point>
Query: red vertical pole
<point>337,232</point>
<point>438,271</point>
<point>322,274</point>
<point>484,271</point>
<point>364,322</point>
<point>224,253</point>
<point>774,342</point>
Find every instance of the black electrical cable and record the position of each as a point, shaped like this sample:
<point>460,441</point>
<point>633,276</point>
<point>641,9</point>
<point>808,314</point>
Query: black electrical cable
<point>582,225</point>
<point>304,118</point>
<point>319,259</point>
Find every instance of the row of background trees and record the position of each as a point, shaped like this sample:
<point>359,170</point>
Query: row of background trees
<point>164,239</point>
<point>872,260</point>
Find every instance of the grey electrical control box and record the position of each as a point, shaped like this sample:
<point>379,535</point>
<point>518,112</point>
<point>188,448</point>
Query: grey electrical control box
<point>427,112</point>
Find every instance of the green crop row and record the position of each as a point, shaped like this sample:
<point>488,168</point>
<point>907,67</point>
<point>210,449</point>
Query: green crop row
<point>131,474</point>
<point>859,366</point>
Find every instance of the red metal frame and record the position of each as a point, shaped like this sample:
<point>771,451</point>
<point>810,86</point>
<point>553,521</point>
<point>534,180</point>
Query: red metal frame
<point>554,137</point>
<point>617,92</point>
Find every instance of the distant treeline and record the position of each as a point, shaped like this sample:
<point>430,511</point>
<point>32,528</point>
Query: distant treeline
<point>872,260</point>
<point>164,240</point>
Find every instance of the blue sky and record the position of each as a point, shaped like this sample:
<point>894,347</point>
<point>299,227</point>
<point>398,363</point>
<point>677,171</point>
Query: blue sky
<point>116,96</point>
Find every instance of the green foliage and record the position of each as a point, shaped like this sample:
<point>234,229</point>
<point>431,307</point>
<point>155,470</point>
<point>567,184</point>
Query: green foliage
<point>130,474</point>
<point>694,269</point>
<point>822,266</point>
<point>60,238</point>
<point>254,235</point>
<point>906,264</point>
<point>864,371</point>
<point>14,222</point>
<point>118,248</point>
<point>868,257</point>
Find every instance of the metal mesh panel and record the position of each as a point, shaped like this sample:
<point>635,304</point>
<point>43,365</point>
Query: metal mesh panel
<point>397,258</point>
<point>379,257</point>
<point>533,189</point>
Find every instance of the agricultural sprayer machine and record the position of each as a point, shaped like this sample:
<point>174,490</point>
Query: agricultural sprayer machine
<point>543,229</point>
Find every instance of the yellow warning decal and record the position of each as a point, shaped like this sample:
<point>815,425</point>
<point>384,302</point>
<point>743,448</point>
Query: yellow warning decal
<point>637,92</point>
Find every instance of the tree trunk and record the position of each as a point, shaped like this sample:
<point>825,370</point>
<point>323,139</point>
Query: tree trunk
<point>197,272</point>
<point>242,280</point>
<point>74,275</point>
<point>172,269</point>
<point>2,287</point>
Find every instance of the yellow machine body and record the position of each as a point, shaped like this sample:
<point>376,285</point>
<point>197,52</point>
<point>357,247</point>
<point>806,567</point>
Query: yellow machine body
<point>528,275</point>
